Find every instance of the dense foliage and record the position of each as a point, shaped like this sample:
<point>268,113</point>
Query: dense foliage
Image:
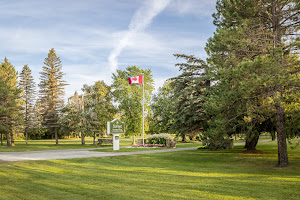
<point>10,103</point>
<point>250,82</point>
<point>130,97</point>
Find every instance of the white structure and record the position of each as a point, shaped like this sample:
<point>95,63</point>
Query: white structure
<point>115,127</point>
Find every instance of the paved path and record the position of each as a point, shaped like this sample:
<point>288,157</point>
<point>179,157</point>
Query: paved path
<point>79,153</point>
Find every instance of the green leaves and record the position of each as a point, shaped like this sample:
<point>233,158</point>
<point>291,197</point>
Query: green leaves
<point>129,97</point>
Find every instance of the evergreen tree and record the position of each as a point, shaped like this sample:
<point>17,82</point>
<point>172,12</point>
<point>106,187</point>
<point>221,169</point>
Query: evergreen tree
<point>28,95</point>
<point>52,92</point>
<point>253,62</point>
<point>10,104</point>
<point>37,130</point>
<point>190,91</point>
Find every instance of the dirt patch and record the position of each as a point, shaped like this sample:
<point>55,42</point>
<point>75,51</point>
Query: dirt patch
<point>253,152</point>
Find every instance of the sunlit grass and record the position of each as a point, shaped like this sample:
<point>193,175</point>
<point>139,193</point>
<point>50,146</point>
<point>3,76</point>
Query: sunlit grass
<point>74,143</point>
<point>196,174</point>
<point>132,149</point>
<point>39,145</point>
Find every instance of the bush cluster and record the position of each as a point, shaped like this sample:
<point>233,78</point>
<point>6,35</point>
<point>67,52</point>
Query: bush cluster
<point>158,138</point>
<point>203,147</point>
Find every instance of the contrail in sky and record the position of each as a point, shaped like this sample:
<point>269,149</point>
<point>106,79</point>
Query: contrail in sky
<point>141,19</point>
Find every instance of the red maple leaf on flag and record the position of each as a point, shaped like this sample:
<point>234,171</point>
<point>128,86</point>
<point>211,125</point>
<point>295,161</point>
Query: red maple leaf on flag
<point>134,78</point>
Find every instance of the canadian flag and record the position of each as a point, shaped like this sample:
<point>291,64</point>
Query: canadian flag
<point>137,79</point>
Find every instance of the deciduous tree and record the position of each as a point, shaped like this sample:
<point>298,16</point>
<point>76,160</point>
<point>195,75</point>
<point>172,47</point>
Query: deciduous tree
<point>129,97</point>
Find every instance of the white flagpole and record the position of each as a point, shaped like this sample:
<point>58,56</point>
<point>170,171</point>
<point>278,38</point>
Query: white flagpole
<point>143,110</point>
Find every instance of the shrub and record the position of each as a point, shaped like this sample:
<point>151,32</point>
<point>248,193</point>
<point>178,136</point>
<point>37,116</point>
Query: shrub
<point>158,138</point>
<point>203,147</point>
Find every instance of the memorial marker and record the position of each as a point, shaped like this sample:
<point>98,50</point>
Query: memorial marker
<point>116,127</point>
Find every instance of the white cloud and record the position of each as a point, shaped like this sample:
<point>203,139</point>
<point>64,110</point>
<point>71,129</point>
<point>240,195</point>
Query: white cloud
<point>140,20</point>
<point>91,36</point>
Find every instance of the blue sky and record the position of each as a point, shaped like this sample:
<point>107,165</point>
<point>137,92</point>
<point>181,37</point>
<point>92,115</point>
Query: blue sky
<point>93,38</point>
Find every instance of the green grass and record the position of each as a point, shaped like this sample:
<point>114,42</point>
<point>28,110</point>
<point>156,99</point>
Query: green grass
<point>196,174</point>
<point>40,145</point>
<point>74,143</point>
<point>131,149</point>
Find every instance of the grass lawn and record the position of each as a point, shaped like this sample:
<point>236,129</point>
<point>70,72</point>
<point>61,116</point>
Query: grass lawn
<point>39,145</point>
<point>74,143</point>
<point>130,149</point>
<point>196,174</point>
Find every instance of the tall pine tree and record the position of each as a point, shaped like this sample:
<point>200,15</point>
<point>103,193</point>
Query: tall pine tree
<point>10,104</point>
<point>28,95</point>
<point>52,92</point>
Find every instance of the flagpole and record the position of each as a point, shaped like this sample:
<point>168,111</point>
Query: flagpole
<point>143,111</point>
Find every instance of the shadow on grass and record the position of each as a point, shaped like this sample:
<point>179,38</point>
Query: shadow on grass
<point>193,174</point>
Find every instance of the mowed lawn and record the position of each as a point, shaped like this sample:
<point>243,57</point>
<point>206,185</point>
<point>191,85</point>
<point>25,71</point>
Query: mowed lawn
<point>75,143</point>
<point>196,174</point>
<point>40,145</point>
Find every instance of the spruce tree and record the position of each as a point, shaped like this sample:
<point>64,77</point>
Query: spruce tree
<point>52,92</point>
<point>190,90</point>
<point>252,54</point>
<point>38,129</point>
<point>10,104</point>
<point>28,95</point>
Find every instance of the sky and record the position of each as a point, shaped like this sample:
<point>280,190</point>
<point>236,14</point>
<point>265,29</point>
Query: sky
<point>94,38</point>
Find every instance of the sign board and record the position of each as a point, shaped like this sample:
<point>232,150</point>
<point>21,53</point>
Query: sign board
<point>116,127</point>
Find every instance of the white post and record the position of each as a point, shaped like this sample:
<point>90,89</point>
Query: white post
<point>143,110</point>
<point>116,144</point>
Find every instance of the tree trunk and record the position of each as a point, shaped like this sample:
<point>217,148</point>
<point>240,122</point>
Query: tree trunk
<point>12,141</point>
<point>1,139</point>
<point>26,136</point>
<point>56,136</point>
<point>7,140</point>
<point>251,141</point>
<point>279,116</point>
<point>183,137</point>
<point>281,138</point>
<point>82,139</point>
<point>94,141</point>
<point>133,142</point>
<point>273,136</point>
<point>194,137</point>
